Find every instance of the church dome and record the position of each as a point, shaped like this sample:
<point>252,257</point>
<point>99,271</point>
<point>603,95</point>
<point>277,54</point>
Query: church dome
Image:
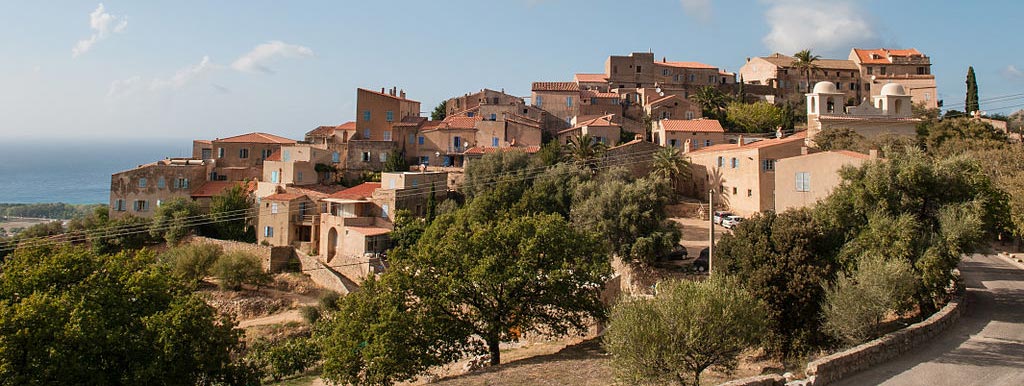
<point>825,88</point>
<point>893,89</point>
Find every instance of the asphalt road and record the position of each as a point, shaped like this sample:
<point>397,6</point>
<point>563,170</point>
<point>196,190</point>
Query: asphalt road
<point>985,348</point>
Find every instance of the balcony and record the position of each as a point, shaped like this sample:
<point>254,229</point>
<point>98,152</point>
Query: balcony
<point>305,219</point>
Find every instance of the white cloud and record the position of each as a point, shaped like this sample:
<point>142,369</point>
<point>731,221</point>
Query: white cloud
<point>103,25</point>
<point>184,76</point>
<point>256,60</point>
<point>1011,72</point>
<point>124,86</point>
<point>698,9</point>
<point>824,27</point>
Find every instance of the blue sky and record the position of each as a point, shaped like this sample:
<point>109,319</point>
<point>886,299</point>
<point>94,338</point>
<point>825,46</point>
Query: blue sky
<point>191,69</point>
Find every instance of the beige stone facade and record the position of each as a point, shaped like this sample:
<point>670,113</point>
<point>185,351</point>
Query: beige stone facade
<point>139,191</point>
<point>286,219</point>
<point>886,114</point>
<point>688,135</point>
<point>777,71</point>
<point>601,129</point>
<point>377,112</point>
<point>238,158</point>
<point>742,176</point>
<point>801,181</point>
<point>906,67</point>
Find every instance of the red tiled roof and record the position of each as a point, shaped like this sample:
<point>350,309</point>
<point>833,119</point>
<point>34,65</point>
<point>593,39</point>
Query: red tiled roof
<point>877,118</point>
<point>590,78</point>
<point>358,192</point>
<point>410,122</point>
<point>388,95</point>
<point>604,120</point>
<point>284,196</point>
<point>315,192</point>
<point>555,86</point>
<point>824,64</point>
<point>596,94</point>
<point>462,122</point>
<point>666,99</point>
<point>687,65</point>
<point>480,150</point>
<point>214,188</point>
<point>350,125</point>
<point>799,136</point>
<point>693,125</point>
<point>256,138</point>
<point>864,55</point>
<point>275,156</point>
<point>369,231</point>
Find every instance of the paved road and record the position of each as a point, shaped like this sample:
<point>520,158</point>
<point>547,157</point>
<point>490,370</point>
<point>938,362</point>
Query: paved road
<point>985,348</point>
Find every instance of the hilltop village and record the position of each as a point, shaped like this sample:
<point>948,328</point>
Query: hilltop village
<point>333,195</point>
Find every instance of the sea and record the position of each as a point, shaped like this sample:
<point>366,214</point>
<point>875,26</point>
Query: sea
<point>74,172</point>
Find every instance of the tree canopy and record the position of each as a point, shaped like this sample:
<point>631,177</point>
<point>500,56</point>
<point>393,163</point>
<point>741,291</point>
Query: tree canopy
<point>757,117</point>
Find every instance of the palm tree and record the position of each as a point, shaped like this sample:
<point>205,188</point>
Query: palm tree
<point>584,150</point>
<point>805,63</point>
<point>671,165</point>
<point>711,101</point>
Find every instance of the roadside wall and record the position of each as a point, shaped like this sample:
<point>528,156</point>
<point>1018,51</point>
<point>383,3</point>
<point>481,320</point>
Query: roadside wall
<point>265,253</point>
<point>760,380</point>
<point>835,367</point>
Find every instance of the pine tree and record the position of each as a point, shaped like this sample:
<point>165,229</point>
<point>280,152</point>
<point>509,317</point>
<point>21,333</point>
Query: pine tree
<point>972,92</point>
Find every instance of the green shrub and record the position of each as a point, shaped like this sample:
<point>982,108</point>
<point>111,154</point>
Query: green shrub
<point>192,262</point>
<point>237,268</point>
<point>310,313</point>
<point>329,301</point>
<point>284,358</point>
<point>855,304</point>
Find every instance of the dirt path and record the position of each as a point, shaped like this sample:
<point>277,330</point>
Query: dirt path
<point>278,318</point>
<point>986,347</point>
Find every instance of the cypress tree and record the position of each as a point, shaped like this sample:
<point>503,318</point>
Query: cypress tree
<point>739,90</point>
<point>972,92</point>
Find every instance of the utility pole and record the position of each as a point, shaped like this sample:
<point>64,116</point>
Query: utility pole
<point>711,235</point>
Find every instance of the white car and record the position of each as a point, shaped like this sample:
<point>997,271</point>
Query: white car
<point>731,221</point>
<point>720,215</point>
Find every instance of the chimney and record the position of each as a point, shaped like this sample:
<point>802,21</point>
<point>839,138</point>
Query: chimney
<point>663,59</point>
<point>803,150</point>
<point>402,94</point>
<point>687,146</point>
<point>382,90</point>
<point>873,154</point>
<point>393,90</point>
<point>739,141</point>
<point>748,59</point>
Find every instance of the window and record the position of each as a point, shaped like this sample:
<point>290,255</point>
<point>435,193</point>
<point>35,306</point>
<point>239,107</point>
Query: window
<point>881,70</point>
<point>494,117</point>
<point>181,183</point>
<point>672,143</point>
<point>383,157</point>
<point>853,86</point>
<point>335,157</point>
<point>366,115</point>
<point>273,208</point>
<point>206,153</point>
<point>298,176</point>
<point>494,141</point>
<point>387,135</point>
<point>638,69</point>
<point>867,86</point>
<point>119,205</point>
<point>286,155</point>
<point>141,205</point>
<point>689,115</point>
<point>539,100</point>
<point>424,160</point>
<point>420,140</point>
<point>711,79</point>
<point>161,183</point>
<point>734,190</point>
<point>390,116</point>
<point>735,163</point>
<point>707,142</point>
<point>568,101</point>
<point>142,182</point>
<point>457,142</point>
<point>366,133</point>
<point>693,78</point>
<point>366,156</point>
<point>768,165</point>
<point>750,192</point>
<point>803,182</point>
<point>839,86</point>
<point>220,152</point>
<point>268,231</point>
<point>411,138</point>
<point>615,69</point>
<point>243,153</point>
<point>275,176</point>
<point>721,161</point>
<point>384,210</point>
<point>664,72</point>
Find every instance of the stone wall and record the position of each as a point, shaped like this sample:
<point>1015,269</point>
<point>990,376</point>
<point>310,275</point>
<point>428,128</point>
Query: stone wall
<point>760,380</point>
<point>265,253</point>
<point>835,367</point>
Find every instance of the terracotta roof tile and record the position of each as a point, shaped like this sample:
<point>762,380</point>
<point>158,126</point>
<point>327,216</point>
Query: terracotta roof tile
<point>461,122</point>
<point>799,136</point>
<point>214,188</point>
<point>590,78</point>
<point>555,86</point>
<point>316,192</point>
<point>596,94</point>
<point>358,192</point>
<point>256,138</point>
<point>369,231</point>
<point>865,55</point>
<point>852,154</point>
<point>284,196</point>
<point>692,125</point>
<point>826,64</point>
<point>275,156</point>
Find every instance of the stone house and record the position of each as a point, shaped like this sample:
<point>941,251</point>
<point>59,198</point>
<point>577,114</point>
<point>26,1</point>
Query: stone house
<point>906,67</point>
<point>377,112</point>
<point>688,135</point>
<point>204,195</point>
<point>560,99</point>
<point>601,129</point>
<point>803,180</point>
<point>139,191</point>
<point>742,175</point>
<point>238,158</point>
<point>287,219</point>
<point>789,82</point>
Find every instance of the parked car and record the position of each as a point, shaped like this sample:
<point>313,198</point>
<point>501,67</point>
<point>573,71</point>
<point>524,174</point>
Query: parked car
<point>700,264</point>
<point>678,252</point>
<point>731,221</point>
<point>720,215</point>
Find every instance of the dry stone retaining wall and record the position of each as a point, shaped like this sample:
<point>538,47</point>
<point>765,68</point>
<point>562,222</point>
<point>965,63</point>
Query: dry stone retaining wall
<point>760,380</point>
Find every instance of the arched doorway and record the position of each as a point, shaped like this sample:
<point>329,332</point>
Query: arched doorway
<point>332,244</point>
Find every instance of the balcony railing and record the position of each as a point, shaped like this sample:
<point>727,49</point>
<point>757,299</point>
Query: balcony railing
<point>305,218</point>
